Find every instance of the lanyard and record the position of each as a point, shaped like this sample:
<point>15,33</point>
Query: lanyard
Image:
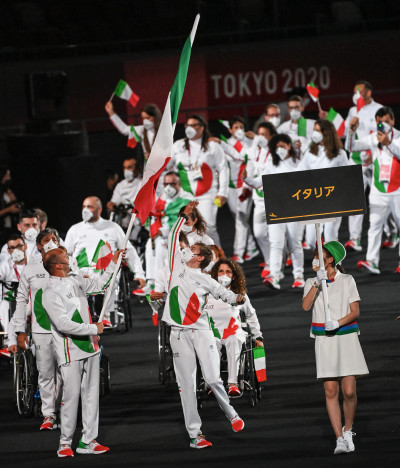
<point>16,272</point>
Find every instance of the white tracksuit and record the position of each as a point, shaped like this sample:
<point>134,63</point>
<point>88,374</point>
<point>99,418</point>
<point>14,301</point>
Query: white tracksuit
<point>124,194</point>
<point>385,189</point>
<point>214,177</point>
<point>83,238</point>
<point>236,152</point>
<point>166,210</point>
<point>8,274</point>
<point>366,125</point>
<point>309,162</point>
<point>75,339</point>
<point>31,252</point>
<point>34,279</point>
<point>291,129</point>
<point>191,334</point>
<point>277,232</point>
<point>255,168</point>
<point>227,329</point>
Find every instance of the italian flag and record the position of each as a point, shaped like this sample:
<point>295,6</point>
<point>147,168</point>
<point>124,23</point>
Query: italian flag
<point>360,101</point>
<point>102,255</point>
<point>305,127</point>
<point>160,154</point>
<point>337,121</point>
<point>82,259</point>
<point>133,137</point>
<point>260,364</point>
<point>9,296</point>
<point>124,91</point>
<point>313,91</point>
<point>225,123</point>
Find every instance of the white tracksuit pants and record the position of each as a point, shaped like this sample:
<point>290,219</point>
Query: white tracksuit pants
<point>277,233</point>
<point>330,232</point>
<point>260,228</point>
<point>4,314</point>
<point>379,207</point>
<point>49,378</point>
<point>233,345</point>
<point>80,378</point>
<point>111,306</point>
<point>209,211</point>
<point>390,226</point>
<point>155,258</point>
<point>186,344</point>
<point>241,213</point>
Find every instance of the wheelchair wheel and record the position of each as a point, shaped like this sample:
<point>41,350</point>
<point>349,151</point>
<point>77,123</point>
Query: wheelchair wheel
<point>251,378</point>
<point>123,302</point>
<point>25,383</point>
<point>105,375</point>
<point>165,358</point>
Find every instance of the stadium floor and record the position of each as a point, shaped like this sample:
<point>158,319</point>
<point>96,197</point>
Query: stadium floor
<point>142,421</point>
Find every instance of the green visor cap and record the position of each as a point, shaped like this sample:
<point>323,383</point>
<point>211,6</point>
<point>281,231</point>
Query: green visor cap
<point>336,249</point>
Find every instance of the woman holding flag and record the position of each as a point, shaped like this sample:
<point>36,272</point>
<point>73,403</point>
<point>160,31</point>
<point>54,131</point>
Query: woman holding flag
<point>338,354</point>
<point>203,170</point>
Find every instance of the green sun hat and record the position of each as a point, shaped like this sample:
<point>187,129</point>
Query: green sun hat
<point>336,249</point>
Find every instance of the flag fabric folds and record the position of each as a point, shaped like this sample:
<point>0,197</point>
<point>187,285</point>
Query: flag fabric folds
<point>102,255</point>
<point>337,121</point>
<point>160,154</point>
<point>133,137</point>
<point>124,91</point>
<point>313,91</point>
<point>305,127</point>
<point>260,363</point>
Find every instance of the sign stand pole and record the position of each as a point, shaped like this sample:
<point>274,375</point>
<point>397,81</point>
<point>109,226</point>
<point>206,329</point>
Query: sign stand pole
<point>322,267</point>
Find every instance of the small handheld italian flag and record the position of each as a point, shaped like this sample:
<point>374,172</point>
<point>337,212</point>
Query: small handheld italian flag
<point>133,137</point>
<point>102,255</point>
<point>9,296</point>
<point>260,363</point>
<point>124,91</point>
<point>360,100</point>
<point>337,120</point>
<point>313,91</point>
<point>305,127</point>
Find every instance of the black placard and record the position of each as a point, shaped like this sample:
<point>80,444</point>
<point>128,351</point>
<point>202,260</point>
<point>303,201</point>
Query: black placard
<point>316,194</point>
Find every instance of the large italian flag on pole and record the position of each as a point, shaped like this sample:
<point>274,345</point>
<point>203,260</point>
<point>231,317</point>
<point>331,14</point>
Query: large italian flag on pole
<point>160,154</point>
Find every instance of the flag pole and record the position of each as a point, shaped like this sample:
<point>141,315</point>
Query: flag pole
<point>319,105</point>
<point>117,267</point>
<point>322,267</point>
<point>112,95</point>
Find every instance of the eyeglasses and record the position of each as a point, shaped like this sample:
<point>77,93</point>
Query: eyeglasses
<point>19,246</point>
<point>298,107</point>
<point>171,183</point>
<point>192,125</point>
<point>273,115</point>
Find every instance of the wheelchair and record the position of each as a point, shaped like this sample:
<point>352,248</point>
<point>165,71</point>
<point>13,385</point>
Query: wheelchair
<point>105,373</point>
<point>166,373</point>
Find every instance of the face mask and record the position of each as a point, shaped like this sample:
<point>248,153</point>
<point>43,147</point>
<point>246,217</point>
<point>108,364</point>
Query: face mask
<point>315,264</point>
<point>356,97</point>
<point>50,246</point>
<point>169,191</point>
<point>129,176</point>
<point>87,215</point>
<point>31,234</point>
<point>262,141</point>
<point>17,255</point>
<point>190,132</point>
<point>295,114</point>
<point>187,254</point>
<point>224,280</point>
<point>316,137</point>
<point>275,121</point>
<point>239,134</point>
<point>386,126</point>
<point>186,228</point>
<point>73,265</point>
<point>281,152</point>
<point>148,124</point>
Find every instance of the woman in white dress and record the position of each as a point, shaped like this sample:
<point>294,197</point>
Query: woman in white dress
<point>338,353</point>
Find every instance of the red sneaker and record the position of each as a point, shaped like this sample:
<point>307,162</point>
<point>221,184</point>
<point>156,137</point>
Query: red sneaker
<point>265,272</point>
<point>94,448</point>
<point>237,423</point>
<point>397,270</point>
<point>233,390</point>
<point>47,424</point>
<point>288,262</point>
<point>200,442</point>
<point>262,265</point>
<point>5,353</point>
<point>107,323</point>
<point>65,450</point>
<point>237,259</point>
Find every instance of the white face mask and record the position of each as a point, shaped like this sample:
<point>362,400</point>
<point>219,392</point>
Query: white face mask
<point>356,97</point>
<point>17,255</point>
<point>315,264</point>
<point>51,245</point>
<point>190,132</point>
<point>316,137</point>
<point>129,175</point>
<point>187,254</point>
<point>87,215</point>
<point>239,134</point>
<point>73,265</point>
<point>169,191</point>
<point>148,124</point>
<point>224,280</point>
<point>275,121</point>
<point>281,152</point>
<point>295,114</point>
<point>31,234</point>
<point>262,141</point>
<point>186,228</point>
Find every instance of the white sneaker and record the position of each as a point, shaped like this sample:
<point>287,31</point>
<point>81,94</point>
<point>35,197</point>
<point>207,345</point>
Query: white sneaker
<point>348,437</point>
<point>341,446</point>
